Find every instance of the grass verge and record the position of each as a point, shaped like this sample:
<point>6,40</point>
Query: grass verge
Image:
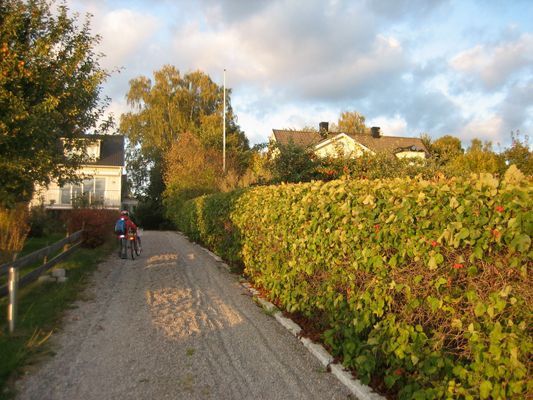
<point>40,308</point>
<point>36,243</point>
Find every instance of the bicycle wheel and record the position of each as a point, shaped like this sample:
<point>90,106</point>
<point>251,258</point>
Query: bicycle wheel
<point>122,252</point>
<point>138,248</point>
<point>132,250</point>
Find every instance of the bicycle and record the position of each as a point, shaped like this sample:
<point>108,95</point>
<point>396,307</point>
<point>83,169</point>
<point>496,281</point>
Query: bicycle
<point>122,246</point>
<point>129,243</point>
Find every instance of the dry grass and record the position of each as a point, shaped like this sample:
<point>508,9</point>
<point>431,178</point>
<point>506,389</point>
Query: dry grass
<point>14,229</point>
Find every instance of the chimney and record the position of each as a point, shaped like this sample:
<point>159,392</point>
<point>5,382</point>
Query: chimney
<point>375,132</point>
<point>323,128</point>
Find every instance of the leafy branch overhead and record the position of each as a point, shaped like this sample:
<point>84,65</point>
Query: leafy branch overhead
<point>50,88</point>
<point>165,108</point>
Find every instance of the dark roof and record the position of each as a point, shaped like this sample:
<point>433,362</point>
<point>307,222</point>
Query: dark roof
<point>111,150</point>
<point>387,144</point>
<point>298,138</point>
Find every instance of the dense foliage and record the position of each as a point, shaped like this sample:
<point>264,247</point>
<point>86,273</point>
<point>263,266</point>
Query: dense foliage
<point>97,224</point>
<point>206,220</point>
<point>50,85</point>
<point>424,283</point>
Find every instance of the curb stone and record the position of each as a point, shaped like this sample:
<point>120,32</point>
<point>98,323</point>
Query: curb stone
<point>252,290</point>
<point>268,306</point>
<point>362,392</point>
<point>318,351</point>
<point>217,258</point>
<point>291,326</point>
<point>46,278</point>
<point>226,266</point>
<point>58,273</point>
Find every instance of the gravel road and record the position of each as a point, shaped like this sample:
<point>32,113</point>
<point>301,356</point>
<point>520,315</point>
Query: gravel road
<point>173,324</point>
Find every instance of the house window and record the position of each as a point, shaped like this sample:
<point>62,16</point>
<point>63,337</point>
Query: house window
<point>92,149</point>
<point>99,190</point>
<point>93,191</point>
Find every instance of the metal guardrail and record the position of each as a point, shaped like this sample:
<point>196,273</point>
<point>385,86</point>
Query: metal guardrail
<point>43,253</point>
<point>12,269</point>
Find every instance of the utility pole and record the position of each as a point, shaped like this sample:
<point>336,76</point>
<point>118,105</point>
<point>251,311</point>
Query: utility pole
<point>224,128</point>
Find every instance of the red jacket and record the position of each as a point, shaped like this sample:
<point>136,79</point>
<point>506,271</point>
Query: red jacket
<point>129,223</point>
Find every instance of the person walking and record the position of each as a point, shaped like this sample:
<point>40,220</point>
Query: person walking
<point>124,226</point>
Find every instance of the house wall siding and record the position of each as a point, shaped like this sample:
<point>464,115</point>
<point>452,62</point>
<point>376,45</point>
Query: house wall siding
<point>343,145</point>
<point>52,197</point>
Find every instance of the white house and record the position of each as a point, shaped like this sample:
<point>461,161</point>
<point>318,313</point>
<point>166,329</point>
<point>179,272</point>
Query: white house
<point>334,144</point>
<point>102,182</point>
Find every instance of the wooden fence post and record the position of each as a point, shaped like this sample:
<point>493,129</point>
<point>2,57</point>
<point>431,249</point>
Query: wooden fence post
<point>12,307</point>
<point>45,259</point>
<point>66,245</point>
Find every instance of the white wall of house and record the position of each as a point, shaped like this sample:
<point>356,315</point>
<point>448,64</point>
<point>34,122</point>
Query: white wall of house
<point>340,145</point>
<point>101,185</point>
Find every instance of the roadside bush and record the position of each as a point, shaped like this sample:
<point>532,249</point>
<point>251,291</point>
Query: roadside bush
<point>43,222</point>
<point>422,283</point>
<point>375,166</point>
<point>205,220</point>
<point>97,223</point>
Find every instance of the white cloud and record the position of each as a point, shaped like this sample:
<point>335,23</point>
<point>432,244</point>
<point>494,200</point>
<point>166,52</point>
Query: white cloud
<point>295,63</point>
<point>494,65</point>
<point>125,33</point>
<point>395,9</point>
<point>516,109</point>
<point>485,128</point>
<point>391,126</point>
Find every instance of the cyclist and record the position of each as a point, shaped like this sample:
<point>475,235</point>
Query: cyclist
<point>129,226</point>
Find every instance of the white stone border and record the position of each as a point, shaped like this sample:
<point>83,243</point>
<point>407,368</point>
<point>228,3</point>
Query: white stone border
<point>358,389</point>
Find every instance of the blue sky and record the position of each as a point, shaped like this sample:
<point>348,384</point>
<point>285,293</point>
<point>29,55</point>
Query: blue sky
<point>410,66</point>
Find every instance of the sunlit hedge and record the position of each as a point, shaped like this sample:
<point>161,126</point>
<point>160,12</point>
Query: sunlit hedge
<point>424,284</point>
<point>206,220</point>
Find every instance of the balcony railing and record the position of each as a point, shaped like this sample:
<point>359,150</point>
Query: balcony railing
<point>56,199</point>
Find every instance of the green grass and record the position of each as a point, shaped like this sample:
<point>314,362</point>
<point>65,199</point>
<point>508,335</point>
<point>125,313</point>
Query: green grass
<point>40,309</point>
<point>36,243</point>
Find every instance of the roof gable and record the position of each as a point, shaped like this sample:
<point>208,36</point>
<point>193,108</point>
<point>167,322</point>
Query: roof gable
<point>111,150</point>
<point>334,139</point>
<point>382,144</point>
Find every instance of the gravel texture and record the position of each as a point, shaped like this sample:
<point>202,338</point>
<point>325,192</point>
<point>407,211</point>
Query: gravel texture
<point>173,324</point>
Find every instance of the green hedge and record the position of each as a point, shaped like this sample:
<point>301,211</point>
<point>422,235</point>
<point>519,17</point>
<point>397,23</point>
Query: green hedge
<point>423,284</point>
<point>206,220</point>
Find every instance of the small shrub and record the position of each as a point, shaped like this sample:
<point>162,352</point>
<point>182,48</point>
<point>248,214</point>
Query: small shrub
<point>98,224</point>
<point>43,222</point>
<point>13,231</point>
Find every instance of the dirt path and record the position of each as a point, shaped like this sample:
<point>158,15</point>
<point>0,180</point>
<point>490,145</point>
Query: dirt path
<point>173,325</point>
